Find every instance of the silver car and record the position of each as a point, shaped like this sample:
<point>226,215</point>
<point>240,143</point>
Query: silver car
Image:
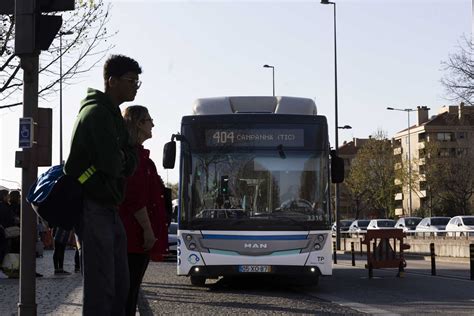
<point>381,224</point>
<point>461,226</point>
<point>359,226</point>
<point>432,226</point>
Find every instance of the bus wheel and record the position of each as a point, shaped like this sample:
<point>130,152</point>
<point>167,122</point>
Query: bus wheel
<point>198,280</point>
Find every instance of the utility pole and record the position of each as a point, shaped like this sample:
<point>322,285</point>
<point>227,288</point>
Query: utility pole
<point>33,32</point>
<point>27,298</point>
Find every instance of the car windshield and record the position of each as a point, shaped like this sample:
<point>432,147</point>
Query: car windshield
<point>346,223</point>
<point>412,222</point>
<point>363,224</point>
<point>386,223</point>
<point>440,221</point>
<point>468,221</point>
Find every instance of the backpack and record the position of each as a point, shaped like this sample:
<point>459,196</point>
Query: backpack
<point>57,198</point>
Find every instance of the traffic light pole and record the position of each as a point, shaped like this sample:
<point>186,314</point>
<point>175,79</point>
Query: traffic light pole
<point>29,165</point>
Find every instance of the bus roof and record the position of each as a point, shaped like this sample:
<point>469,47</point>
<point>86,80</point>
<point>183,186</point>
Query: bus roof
<point>257,104</point>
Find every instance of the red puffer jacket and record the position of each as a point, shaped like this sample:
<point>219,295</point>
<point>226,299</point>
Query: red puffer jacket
<point>145,188</point>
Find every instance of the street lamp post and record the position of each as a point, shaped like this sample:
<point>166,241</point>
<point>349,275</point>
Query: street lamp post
<point>61,93</point>
<point>409,155</point>
<point>273,76</point>
<point>336,191</point>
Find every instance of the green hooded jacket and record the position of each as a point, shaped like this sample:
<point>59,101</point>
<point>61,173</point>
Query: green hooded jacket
<point>100,139</point>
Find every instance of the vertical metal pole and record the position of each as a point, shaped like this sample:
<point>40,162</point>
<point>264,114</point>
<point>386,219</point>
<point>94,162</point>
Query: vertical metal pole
<point>334,252</point>
<point>60,98</point>
<point>273,76</point>
<point>336,191</point>
<point>27,297</point>
<point>409,164</point>
<point>471,251</point>
<point>353,254</point>
<point>433,259</point>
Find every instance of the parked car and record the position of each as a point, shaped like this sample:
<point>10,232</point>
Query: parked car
<point>432,225</point>
<point>381,224</point>
<point>359,226</point>
<point>173,238</point>
<point>461,226</point>
<point>408,223</point>
<point>345,223</point>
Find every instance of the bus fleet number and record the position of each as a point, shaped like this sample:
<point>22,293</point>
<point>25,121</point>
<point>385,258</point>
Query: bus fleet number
<point>223,137</point>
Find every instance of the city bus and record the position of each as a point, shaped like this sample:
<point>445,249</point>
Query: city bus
<point>254,188</point>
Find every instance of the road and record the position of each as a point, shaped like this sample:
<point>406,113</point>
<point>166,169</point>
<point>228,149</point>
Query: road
<point>348,292</point>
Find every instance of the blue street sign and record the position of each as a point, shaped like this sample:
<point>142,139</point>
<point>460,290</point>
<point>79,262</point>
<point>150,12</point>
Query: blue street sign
<point>26,132</point>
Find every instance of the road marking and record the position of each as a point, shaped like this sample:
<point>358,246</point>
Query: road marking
<point>364,308</point>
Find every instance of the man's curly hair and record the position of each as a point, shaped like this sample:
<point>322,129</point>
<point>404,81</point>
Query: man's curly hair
<point>118,65</point>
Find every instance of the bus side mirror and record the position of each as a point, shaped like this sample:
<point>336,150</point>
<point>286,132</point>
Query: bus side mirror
<point>337,168</point>
<point>169,155</point>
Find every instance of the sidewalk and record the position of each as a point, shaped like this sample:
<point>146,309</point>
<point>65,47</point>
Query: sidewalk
<point>55,295</point>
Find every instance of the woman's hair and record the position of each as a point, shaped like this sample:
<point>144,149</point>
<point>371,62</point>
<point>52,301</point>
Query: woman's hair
<point>132,115</point>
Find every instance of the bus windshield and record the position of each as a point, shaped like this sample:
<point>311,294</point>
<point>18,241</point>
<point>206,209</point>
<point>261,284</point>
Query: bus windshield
<point>257,188</point>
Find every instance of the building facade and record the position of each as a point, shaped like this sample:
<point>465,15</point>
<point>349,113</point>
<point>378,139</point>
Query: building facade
<point>452,129</point>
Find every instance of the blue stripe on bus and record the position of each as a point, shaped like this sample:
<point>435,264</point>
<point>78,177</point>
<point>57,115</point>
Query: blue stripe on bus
<point>235,253</point>
<point>241,237</point>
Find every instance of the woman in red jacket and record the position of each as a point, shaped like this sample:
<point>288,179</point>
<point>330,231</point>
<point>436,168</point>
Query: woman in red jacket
<point>143,210</point>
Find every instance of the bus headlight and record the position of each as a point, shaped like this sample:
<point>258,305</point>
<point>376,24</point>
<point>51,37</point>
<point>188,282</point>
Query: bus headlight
<point>189,237</point>
<point>192,246</point>
<point>317,246</point>
<point>320,238</point>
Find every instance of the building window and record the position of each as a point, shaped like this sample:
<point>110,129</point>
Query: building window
<point>445,152</point>
<point>461,152</point>
<point>444,137</point>
<point>462,135</point>
<point>421,137</point>
<point>423,185</point>
<point>422,169</point>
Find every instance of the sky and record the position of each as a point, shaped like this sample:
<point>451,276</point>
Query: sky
<point>389,53</point>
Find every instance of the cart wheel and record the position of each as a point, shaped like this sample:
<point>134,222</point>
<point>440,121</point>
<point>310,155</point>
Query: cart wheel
<point>198,280</point>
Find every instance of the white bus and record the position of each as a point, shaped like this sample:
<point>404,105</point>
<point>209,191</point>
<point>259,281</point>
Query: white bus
<point>254,188</point>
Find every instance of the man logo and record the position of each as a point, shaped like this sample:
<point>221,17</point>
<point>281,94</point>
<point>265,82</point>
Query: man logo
<point>255,246</point>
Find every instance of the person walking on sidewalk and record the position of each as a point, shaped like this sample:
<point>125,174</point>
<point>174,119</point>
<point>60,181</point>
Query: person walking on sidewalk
<point>101,158</point>
<point>143,210</point>
<point>61,239</point>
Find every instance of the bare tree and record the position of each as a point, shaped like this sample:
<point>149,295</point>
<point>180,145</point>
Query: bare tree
<point>80,51</point>
<point>459,78</point>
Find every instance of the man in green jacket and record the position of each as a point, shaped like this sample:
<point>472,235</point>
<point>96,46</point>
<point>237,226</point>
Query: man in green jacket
<point>101,158</point>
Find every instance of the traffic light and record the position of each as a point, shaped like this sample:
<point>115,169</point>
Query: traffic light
<point>33,30</point>
<point>224,185</point>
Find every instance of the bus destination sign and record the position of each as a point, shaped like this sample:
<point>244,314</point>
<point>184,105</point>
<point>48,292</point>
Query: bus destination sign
<point>255,137</point>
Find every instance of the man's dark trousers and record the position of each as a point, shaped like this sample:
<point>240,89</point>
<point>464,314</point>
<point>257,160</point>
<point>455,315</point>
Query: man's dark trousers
<point>105,265</point>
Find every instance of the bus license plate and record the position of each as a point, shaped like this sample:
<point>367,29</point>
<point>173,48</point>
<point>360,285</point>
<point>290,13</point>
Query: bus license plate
<point>255,269</point>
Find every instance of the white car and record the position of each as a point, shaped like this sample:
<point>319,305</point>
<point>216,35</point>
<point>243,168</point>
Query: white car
<point>381,224</point>
<point>359,226</point>
<point>344,228</point>
<point>461,226</point>
<point>408,223</point>
<point>432,225</point>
